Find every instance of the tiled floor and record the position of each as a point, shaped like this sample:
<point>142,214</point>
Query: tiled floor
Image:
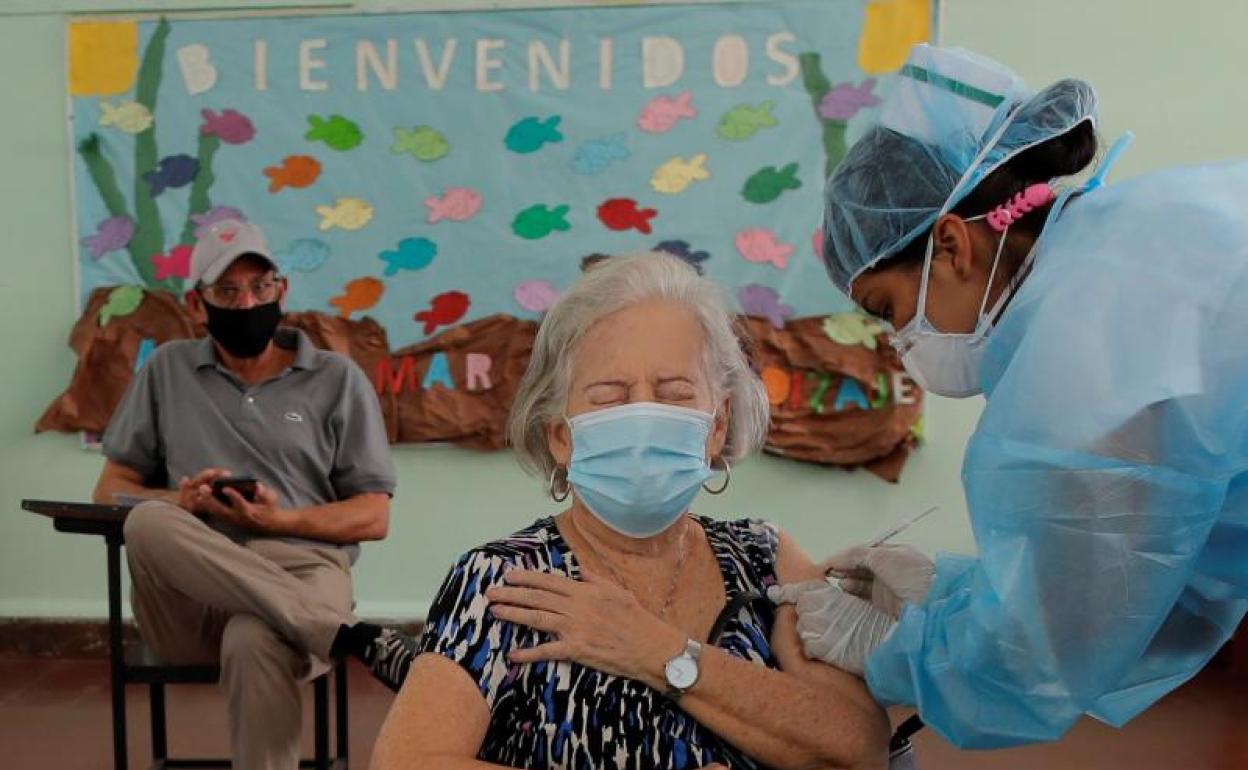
<point>55,714</point>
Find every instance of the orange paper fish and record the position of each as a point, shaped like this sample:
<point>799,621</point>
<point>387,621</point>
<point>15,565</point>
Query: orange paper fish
<point>295,171</point>
<point>361,294</point>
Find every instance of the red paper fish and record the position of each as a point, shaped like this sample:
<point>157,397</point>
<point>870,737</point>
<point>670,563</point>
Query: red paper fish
<point>623,214</point>
<point>175,264</point>
<point>444,310</point>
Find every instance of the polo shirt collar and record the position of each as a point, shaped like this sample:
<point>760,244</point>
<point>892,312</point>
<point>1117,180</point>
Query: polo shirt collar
<point>286,337</point>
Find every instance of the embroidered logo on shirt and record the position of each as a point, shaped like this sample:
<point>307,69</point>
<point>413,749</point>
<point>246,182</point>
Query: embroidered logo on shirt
<point>293,417</point>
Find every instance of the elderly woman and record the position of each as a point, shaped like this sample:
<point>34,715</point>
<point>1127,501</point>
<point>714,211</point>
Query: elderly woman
<point>590,639</point>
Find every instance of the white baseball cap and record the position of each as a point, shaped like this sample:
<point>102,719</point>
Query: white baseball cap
<point>221,244</point>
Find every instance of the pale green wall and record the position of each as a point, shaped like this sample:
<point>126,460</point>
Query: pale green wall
<point>1165,69</point>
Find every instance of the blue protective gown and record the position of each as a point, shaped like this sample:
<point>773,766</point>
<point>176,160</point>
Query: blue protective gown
<point>1107,480</point>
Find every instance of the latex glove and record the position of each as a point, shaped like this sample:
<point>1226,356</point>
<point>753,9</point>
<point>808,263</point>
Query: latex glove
<point>888,576</point>
<point>834,626</point>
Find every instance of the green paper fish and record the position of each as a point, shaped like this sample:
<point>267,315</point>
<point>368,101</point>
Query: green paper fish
<point>422,143</point>
<point>746,120</point>
<point>767,184</point>
<point>122,301</point>
<point>852,329</point>
<point>539,221</point>
<point>336,132</point>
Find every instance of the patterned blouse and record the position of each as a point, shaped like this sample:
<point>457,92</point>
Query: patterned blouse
<point>565,715</point>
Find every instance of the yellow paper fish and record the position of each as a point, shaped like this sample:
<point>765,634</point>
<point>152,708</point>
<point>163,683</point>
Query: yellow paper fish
<point>677,174</point>
<point>347,213</point>
<point>131,117</point>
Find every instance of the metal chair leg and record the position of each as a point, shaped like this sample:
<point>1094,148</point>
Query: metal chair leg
<point>116,654</point>
<point>340,712</point>
<point>320,711</point>
<point>156,703</point>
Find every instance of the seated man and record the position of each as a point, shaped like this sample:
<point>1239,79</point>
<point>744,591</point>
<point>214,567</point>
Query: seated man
<point>262,587</point>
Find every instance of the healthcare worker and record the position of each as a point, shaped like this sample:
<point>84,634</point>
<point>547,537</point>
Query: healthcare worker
<point>1107,479</point>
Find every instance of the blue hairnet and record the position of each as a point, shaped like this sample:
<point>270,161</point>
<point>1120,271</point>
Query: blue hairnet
<point>953,118</point>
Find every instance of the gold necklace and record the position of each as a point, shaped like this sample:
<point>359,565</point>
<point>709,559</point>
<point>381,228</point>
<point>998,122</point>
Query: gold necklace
<point>682,554</point>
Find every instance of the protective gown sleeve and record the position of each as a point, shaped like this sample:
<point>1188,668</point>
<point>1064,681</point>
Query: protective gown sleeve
<point>1110,452</point>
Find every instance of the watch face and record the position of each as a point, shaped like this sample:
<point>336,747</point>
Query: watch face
<point>682,672</point>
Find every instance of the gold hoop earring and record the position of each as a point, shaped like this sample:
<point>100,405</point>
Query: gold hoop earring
<point>727,480</point>
<point>554,479</point>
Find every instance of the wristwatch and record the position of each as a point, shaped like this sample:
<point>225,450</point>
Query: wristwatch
<point>681,671</point>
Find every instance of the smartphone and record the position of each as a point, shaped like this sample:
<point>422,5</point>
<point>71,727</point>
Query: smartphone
<point>244,485</point>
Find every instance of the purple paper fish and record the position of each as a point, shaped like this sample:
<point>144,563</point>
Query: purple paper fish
<point>845,99</point>
<point>232,126</point>
<point>110,234</point>
<point>214,215</point>
<point>764,301</point>
<point>174,171</point>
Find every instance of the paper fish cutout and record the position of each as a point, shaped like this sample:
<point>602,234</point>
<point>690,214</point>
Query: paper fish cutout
<point>131,117</point>
<point>295,171</point>
<point>761,245</point>
<point>846,99</point>
<point>346,213</point>
<point>623,214</point>
<point>816,242</point>
<point>767,184</point>
<point>662,112</point>
<point>173,171</point>
<point>764,301</point>
<point>682,250</point>
<point>122,301</point>
<point>199,74</point>
<point>746,120</point>
<point>336,132</point>
<point>444,310</point>
<point>676,174</point>
<point>538,221</point>
<point>536,296</point>
<point>422,143</point>
<point>411,254</point>
<point>110,235</point>
<point>456,204</point>
<point>852,329</point>
<point>175,264</point>
<point>595,155</point>
<point>214,215</point>
<point>231,126</point>
<point>530,134</point>
<point>361,294</point>
<point>303,254</point>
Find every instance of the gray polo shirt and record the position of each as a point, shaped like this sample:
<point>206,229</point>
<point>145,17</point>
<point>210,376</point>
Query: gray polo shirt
<point>313,433</point>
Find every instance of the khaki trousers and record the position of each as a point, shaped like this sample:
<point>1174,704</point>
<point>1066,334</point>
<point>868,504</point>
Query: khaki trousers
<point>266,611</point>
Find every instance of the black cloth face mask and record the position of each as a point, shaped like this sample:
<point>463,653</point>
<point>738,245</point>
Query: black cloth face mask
<point>244,332</point>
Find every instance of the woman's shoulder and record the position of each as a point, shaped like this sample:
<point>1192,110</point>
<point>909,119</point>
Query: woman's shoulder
<point>753,541</point>
<point>537,546</point>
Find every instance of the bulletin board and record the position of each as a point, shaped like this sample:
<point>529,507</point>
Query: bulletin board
<point>433,172</point>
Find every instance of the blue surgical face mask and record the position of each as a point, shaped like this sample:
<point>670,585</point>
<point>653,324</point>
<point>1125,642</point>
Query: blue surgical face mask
<point>637,467</point>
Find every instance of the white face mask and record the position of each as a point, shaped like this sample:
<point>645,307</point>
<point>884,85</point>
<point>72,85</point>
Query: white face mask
<point>944,363</point>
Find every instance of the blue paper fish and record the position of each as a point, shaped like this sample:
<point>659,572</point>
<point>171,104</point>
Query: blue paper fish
<point>303,254</point>
<point>595,155</point>
<point>683,250</point>
<point>173,171</point>
<point>530,134</point>
<point>411,254</point>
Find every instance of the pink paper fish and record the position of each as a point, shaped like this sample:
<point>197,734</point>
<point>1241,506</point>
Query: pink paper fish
<point>232,126</point>
<point>844,100</point>
<point>214,215</point>
<point>175,264</point>
<point>662,112</point>
<point>456,204</point>
<point>816,242</point>
<point>761,245</point>
<point>536,296</point>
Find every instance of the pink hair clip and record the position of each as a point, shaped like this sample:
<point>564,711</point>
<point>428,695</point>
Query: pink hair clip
<point>1015,208</point>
